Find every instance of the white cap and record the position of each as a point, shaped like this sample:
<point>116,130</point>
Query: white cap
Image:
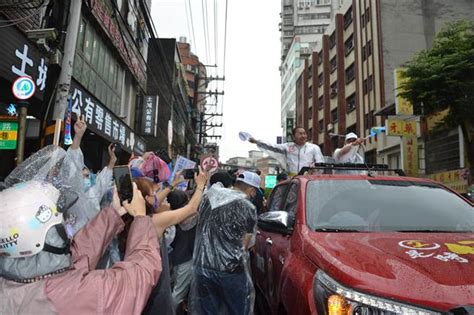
<point>250,178</point>
<point>351,135</point>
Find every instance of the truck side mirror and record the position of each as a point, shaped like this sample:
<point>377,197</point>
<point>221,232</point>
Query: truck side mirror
<point>277,221</point>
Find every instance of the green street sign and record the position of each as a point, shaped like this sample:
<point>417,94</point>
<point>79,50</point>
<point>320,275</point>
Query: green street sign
<point>8,135</point>
<point>270,181</point>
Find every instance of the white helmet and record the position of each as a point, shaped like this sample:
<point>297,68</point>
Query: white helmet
<point>27,211</point>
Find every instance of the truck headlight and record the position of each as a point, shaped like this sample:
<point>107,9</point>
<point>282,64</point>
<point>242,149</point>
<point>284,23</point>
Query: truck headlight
<point>332,298</point>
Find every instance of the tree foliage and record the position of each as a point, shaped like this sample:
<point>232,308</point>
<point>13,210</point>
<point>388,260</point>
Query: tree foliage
<point>443,76</point>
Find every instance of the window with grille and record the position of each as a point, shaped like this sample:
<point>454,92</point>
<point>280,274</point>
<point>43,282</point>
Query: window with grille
<point>350,73</point>
<point>333,64</point>
<point>348,18</point>
<point>321,102</point>
<point>334,90</point>
<point>351,103</point>
<point>349,45</point>
<point>332,40</point>
<point>334,115</point>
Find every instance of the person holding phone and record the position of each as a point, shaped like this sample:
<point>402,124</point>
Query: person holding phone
<point>79,289</point>
<point>161,301</point>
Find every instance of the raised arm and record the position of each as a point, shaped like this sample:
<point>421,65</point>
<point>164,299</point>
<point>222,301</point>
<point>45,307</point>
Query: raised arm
<point>278,148</point>
<point>349,148</point>
<point>164,219</point>
<point>162,194</point>
<point>79,129</point>
<point>92,239</point>
<point>104,178</point>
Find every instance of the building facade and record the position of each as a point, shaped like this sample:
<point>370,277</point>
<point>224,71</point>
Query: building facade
<point>349,85</point>
<point>196,77</point>
<point>108,84</point>
<point>303,23</point>
<point>307,19</point>
<point>108,78</point>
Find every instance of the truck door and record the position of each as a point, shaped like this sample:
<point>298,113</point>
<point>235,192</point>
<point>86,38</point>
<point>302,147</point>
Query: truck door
<point>262,248</point>
<point>279,248</point>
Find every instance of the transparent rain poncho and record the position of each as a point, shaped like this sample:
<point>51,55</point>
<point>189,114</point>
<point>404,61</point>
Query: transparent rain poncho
<point>88,204</point>
<point>47,165</point>
<point>63,170</point>
<point>225,217</point>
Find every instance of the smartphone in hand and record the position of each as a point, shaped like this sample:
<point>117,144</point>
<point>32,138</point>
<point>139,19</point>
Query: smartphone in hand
<point>123,181</point>
<point>189,173</point>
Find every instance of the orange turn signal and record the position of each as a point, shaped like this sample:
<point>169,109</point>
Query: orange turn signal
<point>337,305</point>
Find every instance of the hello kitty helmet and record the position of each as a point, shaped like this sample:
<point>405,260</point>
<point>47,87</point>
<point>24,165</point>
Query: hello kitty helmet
<point>27,211</point>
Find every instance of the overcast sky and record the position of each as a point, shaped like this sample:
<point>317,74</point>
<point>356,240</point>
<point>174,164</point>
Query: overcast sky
<point>252,87</point>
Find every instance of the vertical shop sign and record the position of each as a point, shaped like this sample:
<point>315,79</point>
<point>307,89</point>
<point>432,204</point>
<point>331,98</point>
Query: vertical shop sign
<point>290,123</point>
<point>402,105</point>
<point>150,115</point>
<point>410,155</point>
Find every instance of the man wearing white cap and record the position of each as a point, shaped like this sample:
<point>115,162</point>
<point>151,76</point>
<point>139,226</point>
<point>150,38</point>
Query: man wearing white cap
<point>227,221</point>
<point>349,153</point>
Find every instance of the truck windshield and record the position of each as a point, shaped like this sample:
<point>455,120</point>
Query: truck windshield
<point>383,205</point>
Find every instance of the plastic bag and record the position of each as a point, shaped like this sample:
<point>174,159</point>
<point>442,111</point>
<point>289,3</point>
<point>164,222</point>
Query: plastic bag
<point>155,168</point>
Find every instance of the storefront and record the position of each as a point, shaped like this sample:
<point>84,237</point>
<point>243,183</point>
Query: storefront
<point>20,57</point>
<point>104,127</point>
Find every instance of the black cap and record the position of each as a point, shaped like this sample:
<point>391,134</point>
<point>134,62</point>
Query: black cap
<point>222,177</point>
<point>177,199</point>
<point>282,176</point>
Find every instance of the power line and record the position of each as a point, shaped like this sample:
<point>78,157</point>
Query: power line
<point>225,36</point>
<point>187,20</point>
<point>20,20</point>
<point>225,54</point>
<point>204,23</point>
<point>208,32</point>
<point>216,57</point>
<point>17,4</point>
<point>192,24</point>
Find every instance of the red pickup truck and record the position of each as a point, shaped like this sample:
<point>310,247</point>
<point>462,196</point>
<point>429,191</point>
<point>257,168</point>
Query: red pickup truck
<point>364,244</point>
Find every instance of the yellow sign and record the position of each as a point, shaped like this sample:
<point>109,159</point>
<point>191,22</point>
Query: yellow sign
<point>401,128</point>
<point>457,180</point>
<point>402,106</point>
<point>410,155</point>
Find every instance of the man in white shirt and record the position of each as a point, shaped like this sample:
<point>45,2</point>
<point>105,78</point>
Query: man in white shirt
<point>297,154</point>
<point>349,153</point>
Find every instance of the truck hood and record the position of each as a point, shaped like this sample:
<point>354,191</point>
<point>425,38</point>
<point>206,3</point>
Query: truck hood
<point>435,270</point>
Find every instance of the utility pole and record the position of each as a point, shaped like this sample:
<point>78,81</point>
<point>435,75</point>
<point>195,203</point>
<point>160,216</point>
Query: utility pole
<point>20,149</point>
<point>64,81</point>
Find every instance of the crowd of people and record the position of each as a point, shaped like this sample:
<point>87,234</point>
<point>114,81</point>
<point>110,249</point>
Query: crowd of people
<point>71,242</point>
